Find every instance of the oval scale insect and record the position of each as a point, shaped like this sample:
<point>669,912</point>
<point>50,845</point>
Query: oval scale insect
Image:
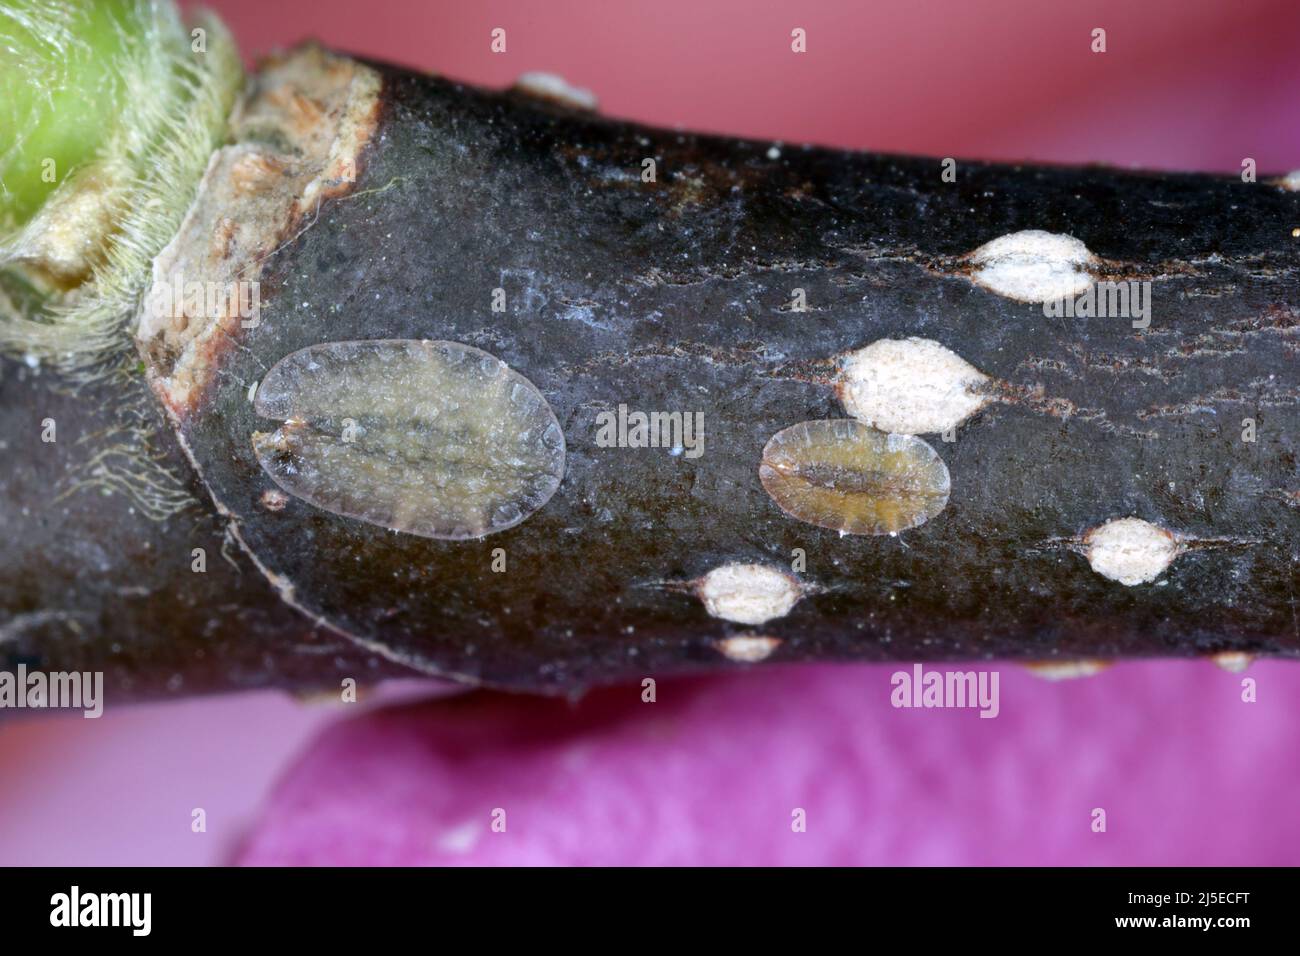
<point>436,439</point>
<point>849,477</point>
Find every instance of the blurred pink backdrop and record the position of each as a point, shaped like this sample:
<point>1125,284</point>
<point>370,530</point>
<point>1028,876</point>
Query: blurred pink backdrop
<point>1184,84</point>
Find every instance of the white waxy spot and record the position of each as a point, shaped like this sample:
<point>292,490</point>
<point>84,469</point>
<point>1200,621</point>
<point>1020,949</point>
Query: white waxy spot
<point>748,593</point>
<point>1234,662</point>
<point>747,648</point>
<point>1066,670</point>
<point>274,499</point>
<point>1033,266</point>
<point>910,386</point>
<point>1291,181</point>
<point>1130,550</point>
<point>552,86</point>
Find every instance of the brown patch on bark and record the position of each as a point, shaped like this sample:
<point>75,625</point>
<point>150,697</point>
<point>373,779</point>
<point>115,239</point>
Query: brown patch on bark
<point>297,137</point>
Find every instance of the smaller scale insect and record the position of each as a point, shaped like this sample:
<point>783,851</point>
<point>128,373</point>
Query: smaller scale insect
<point>844,475</point>
<point>436,439</point>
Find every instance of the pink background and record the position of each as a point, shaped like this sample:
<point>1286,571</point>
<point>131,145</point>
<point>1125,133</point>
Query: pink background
<point>1187,772</point>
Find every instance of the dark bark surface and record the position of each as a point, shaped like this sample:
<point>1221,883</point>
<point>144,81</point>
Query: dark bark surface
<point>675,296</point>
<point>89,582</point>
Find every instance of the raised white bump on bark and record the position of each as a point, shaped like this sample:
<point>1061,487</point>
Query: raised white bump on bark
<point>747,648</point>
<point>1033,266</point>
<point>552,86</point>
<point>1130,550</point>
<point>1066,670</point>
<point>748,593</point>
<point>1234,662</point>
<point>910,386</point>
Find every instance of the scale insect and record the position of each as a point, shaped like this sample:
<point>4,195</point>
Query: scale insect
<point>435,439</point>
<point>849,477</point>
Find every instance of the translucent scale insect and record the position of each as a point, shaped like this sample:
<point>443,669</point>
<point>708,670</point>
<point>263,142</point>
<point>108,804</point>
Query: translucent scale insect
<point>436,439</point>
<point>849,477</point>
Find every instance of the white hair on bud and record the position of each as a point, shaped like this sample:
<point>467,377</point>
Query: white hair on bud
<point>91,243</point>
